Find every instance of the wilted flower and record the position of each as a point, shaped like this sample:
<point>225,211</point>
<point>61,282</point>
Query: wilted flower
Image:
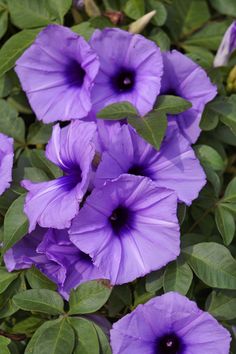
<point>182,77</point>
<point>128,227</point>
<point>227,46</point>
<point>174,166</point>
<point>169,324</point>
<point>57,73</point>
<point>6,161</point>
<point>55,203</point>
<point>130,69</point>
<point>52,252</point>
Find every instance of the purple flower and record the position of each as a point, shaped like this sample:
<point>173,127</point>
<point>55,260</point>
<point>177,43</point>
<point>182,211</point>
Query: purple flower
<point>55,203</point>
<point>128,227</point>
<point>130,69</point>
<point>57,74</point>
<point>227,46</point>
<point>174,166</point>
<point>182,77</point>
<point>52,252</point>
<point>6,162</point>
<point>169,324</point>
<point>23,254</point>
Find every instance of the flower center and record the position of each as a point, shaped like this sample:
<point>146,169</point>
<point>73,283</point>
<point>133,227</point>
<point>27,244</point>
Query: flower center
<point>137,171</point>
<point>71,178</point>
<point>74,74</point>
<point>119,219</point>
<point>124,80</point>
<point>169,344</point>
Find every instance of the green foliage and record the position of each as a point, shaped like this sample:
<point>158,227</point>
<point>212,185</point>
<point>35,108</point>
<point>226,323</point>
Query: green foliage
<point>15,224</point>
<point>151,127</point>
<point>40,300</point>
<point>14,47</point>
<point>89,297</point>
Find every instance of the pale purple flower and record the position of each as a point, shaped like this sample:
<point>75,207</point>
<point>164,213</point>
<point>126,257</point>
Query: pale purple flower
<point>57,73</point>
<point>6,161</point>
<point>130,69</point>
<point>182,77</point>
<point>169,324</point>
<point>55,203</point>
<point>128,227</point>
<point>227,46</point>
<point>174,166</point>
<point>52,252</point>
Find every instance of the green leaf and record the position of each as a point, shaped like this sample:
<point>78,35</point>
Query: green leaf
<point>186,16</point>
<point>3,19</point>
<point>37,280</point>
<point>59,8</point>
<point>28,325</point>
<point>15,224</point>
<point>5,85</point>
<point>14,47</point>
<point>141,295</point>
<point>30,13</point>
<point>6,279</point>
<point>172,104</point>
<point>225,224</point>
<point>120,297</point>
<point>39,160</point>
<point>209,36</point>
<point>222,305</point>
<point>54,337</point>
<point>201,56</point>
<point>7,307</point>
<point>89,297</point>
<point>4,342</point>
<point>10,123</point>
<point>161,39</point>
<point>230,192</point>
<point>161,14</point>
<point>20,102</point>
<point>209,119</point>
<point>213,264</point>
<point>35,174</point>
<point>39,133</point>
<point>40,300</point>
<point>84,29</point>
<point>178,277</point>
<point>210,157</point>
<point>151,127</point>
<point>225,7</point>
<point>225,107</point>
<point>118,111</point>
<point>154,281</point>
<point>103,341</point>
<point>87,336</point>
<point>134,9</point>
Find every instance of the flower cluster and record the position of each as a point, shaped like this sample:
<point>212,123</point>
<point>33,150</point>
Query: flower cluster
<point>113,212</point>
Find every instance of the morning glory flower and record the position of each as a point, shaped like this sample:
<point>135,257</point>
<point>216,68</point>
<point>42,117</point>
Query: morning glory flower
<point>128,227</point>
<point>169,324</point>
<point>130,69</point>
<point>53,254</point>
<point>174,166</point>
<point>182,77</point>
<point>55,203</point>
<point>227,46</point>
<point>57,73</point>
<point>6,162</point>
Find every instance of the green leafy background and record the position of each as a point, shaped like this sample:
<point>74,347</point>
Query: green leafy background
<point>34,319</point>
